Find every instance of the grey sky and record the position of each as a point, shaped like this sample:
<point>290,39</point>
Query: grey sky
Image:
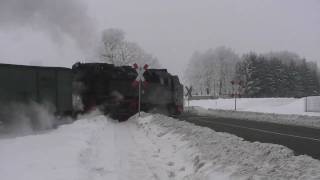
<point>173,29</point>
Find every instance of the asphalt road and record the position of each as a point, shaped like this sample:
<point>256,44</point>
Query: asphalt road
<point>301,140</point>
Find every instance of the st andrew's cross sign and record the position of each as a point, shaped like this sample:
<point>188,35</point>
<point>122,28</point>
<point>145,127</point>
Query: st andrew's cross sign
<point>140,71</point>
<point>189,91</point>
<point>140,78</point>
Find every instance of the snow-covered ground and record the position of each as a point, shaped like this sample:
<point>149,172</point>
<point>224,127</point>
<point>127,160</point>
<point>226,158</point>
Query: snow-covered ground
<point>264,105</point>
<point>277,110</point>
<point>146,148</point>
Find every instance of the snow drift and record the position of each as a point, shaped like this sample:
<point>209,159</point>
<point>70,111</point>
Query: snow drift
<point>150,147</point>
<point>214,154</point>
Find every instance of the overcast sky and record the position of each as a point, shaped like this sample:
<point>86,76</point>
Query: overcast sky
<point>170,29</point>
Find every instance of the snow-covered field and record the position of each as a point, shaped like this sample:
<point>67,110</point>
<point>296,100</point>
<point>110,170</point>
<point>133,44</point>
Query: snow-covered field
<point>146,148</point>
<point>277,110</point>
<point>264,105</point>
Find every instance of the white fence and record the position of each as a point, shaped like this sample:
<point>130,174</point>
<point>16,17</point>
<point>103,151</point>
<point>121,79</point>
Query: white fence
<point>312,104</point>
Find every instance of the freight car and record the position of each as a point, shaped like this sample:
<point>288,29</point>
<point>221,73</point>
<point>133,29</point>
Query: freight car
<point>110,88</point>
<point>24,84</point>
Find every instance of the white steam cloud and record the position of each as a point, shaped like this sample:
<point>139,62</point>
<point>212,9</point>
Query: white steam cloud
<point>23,119</point>
<point>58,18</point>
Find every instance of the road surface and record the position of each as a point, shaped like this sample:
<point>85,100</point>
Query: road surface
<point>302,140</point>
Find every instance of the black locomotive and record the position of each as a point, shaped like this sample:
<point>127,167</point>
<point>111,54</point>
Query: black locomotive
<point>92,85</point>
<point>111,89</point>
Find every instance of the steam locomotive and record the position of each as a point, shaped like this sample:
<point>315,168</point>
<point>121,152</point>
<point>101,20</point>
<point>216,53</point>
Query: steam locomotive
<point>91,85</point>
<point>111,89</point>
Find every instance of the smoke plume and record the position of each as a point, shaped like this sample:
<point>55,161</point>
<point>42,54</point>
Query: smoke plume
<point>58,18</point>
<point>23,119</point>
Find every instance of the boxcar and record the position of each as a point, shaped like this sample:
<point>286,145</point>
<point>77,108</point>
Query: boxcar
<point>22,84</point>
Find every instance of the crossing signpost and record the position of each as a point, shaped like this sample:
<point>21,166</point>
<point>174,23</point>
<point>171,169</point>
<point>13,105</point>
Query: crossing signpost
<point>140,78</point>
<point>188,94</point>
<point>236,91</point>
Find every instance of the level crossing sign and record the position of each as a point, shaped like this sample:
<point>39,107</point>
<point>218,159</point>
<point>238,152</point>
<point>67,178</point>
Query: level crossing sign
<point>140,78</point>
<point>189,91</point>
<point>189,95</point>
<point>140,71</point>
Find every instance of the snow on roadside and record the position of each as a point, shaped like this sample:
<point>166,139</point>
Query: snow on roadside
<point>182,160</point>
<point>96,148</point>
<point>58,154</point>
<point>263,105</point>
<point>294,106</point>
<point>152,147</point>
<point>277,110</point>
<point>216,155</point>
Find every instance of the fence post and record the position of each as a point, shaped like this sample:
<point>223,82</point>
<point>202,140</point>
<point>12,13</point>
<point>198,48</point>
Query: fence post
<point>235,102</point>
<point>306,104</point>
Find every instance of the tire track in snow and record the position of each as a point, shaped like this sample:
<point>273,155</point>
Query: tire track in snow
<point>122,151</point>
<point>159,147</point>
<point>132,162</point>
<point>98,159</point>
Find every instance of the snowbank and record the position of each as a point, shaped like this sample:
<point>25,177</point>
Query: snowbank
<point>217,155</point>
<point>152,147</point>
<point>54,155</point>
<point>96,148</point>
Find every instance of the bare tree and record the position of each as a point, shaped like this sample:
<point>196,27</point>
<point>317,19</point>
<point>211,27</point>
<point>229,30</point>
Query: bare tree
<point>116,50</point>
<point>112,40</point>
<point>211,72</point>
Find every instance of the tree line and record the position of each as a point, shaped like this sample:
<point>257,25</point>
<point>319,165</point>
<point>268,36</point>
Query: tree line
<point>271,76</point>
<point>221,73</point>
